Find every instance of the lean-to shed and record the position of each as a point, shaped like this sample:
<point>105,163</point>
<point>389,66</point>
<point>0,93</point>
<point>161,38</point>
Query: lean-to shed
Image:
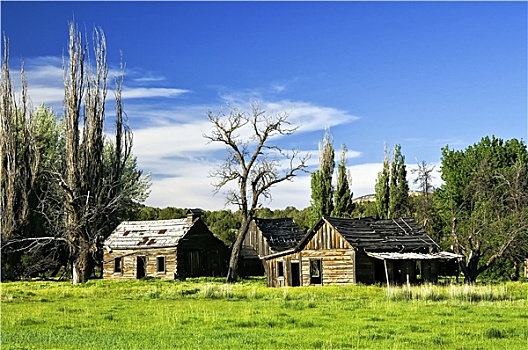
<point>265,237</point>
<point>348,251</point>
<point>166,249</point>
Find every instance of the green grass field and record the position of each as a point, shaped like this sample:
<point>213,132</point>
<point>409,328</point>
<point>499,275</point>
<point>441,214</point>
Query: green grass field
<point>207,314</point>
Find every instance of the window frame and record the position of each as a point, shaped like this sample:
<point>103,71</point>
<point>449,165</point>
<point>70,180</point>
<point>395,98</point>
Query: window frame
<point>280,269</point>
<point>118,265</point>
<point>158,259</point>
<point>316,271</point>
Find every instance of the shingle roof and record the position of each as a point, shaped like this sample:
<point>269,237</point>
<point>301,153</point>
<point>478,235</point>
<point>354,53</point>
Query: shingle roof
<point>148,234</point>
<point>402,234</point>
<point>281,234</point>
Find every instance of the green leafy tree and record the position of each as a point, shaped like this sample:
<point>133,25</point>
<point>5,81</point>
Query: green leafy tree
<point>485,199</point>
<point>392,188</point>
<point>382,188</point>
<point>224,224</point>
<point>399,186</point>
<point>321,180</point>
<point>343,195</point>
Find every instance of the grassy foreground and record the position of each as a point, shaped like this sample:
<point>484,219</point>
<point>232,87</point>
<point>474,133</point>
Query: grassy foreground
<point>207,314</point>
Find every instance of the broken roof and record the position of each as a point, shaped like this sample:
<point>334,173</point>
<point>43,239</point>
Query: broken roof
<point>148,234</point>
<point>402,234</point>
<point>414,256</point>
<point>387,239</point>
<point>281,234</point>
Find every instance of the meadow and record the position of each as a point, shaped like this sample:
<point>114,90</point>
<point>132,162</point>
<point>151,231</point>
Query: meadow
<point>208,314</point>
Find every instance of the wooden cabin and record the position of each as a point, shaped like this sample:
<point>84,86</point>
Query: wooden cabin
<point>349,251</point>
<point>166,249</point>
<point>265,237</point>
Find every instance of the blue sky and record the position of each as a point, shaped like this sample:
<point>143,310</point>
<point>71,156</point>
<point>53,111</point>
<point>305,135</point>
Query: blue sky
<point>420,74</point>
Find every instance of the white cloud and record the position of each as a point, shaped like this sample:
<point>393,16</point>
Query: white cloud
<point>45,83</point>
<point>129,93</point>
<point>169,142</point>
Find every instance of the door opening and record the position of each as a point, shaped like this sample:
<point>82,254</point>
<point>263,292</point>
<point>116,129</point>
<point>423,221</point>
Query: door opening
<point>295,277</point>
<point>141,267</point>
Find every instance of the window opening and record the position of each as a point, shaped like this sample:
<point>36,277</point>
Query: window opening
<point>280,269</point>
<point>160,264</point>
<point>315,271</point>
<point>118,268</point>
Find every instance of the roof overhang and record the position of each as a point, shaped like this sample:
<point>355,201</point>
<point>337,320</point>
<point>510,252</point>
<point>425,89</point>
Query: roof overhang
<point>110,248</point>
<point>414,256</point>
<point>278,254</point>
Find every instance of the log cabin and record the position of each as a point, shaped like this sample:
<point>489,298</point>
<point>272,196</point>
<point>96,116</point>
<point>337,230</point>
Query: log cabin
<point>348,251</point>
<point>165,249</point>
<point>265,237</point>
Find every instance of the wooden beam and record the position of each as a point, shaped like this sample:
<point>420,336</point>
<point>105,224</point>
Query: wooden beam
<point>386,273</point>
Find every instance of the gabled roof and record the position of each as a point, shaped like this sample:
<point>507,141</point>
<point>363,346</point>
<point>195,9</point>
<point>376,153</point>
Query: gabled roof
<point>402,234</point>
<point>281,234</point>
<point>148,234</point>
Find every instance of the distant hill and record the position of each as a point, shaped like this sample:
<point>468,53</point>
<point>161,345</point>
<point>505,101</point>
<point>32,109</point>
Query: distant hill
<point>372,197</point>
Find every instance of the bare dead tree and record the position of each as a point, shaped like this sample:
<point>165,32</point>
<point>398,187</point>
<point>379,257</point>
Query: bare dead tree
<point>90,195</point>
<point>424,177</point>
<point>19,160</point>
<point>253,164</point>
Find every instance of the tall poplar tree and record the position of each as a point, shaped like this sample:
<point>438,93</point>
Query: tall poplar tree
<point>392,187</point>
<point>382,188</point>
<point>343,205</point>
<point>322,189</point>
<point>18,159</point>
<point>399,186</point>
<point>90,195</point>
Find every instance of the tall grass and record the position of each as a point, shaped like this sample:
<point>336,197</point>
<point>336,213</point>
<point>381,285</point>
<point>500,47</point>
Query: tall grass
<point>463,293</point>
<point>209,314</point>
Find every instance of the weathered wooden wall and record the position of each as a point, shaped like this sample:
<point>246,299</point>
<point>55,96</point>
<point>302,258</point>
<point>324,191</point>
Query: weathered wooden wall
<point>326,238</point>
<point>129,263</point>
<point>201,254</point>
<point>365,268</point>
<point>336,254</point>
<point>255,242</point>
<point>273,279</point>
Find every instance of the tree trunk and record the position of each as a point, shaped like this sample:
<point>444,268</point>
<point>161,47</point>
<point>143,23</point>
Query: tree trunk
<point>232,272</point>
<point>470,268</point>
<point>81,268</point>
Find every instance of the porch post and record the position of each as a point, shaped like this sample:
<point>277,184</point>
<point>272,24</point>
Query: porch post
<point>386,273</point>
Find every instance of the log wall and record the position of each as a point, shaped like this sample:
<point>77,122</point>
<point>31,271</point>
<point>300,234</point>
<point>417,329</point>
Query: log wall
<point>129,263</point>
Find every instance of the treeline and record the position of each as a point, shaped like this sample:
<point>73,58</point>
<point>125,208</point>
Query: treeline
<point>224,224</point>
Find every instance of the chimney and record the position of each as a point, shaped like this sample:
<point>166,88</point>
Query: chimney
<point>193,214</point>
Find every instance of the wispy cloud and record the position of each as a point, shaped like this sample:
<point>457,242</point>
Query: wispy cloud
<point>129,93</point>
<point>168,135</point>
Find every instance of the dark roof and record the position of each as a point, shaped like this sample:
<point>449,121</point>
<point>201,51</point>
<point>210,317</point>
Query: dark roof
<point>402,234</point>
<point>281,234</point>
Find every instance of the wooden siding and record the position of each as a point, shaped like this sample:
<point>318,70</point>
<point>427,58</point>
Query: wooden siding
<point>201,254</point>
<point>337,266</point>
<point>327,238</point>
<point>273,279</point>
<point>365,268</point>
<point>254,243</point>
<point>129,263</point>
